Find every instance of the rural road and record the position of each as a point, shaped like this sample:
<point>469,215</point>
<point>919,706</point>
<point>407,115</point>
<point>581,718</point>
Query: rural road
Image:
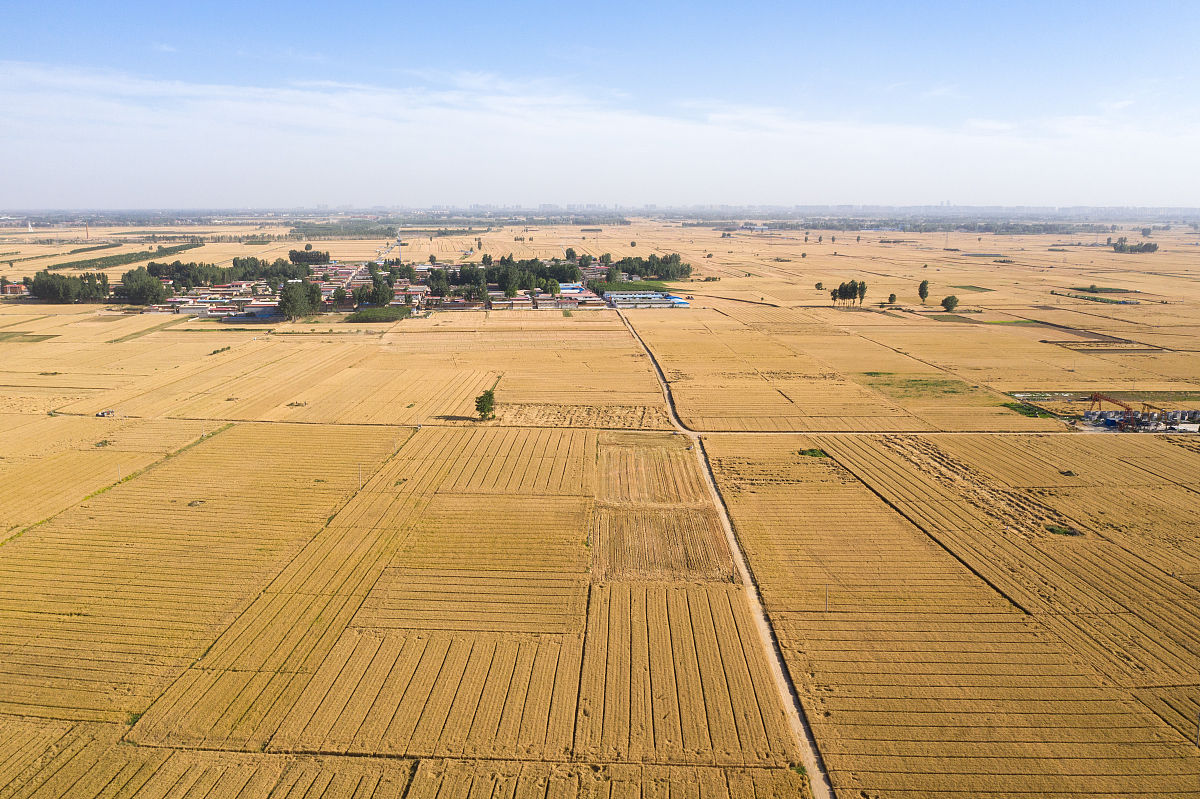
<point>810,757</point>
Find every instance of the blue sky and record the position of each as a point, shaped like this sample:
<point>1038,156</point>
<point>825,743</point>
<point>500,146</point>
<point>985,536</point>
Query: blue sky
<point>140,105</point>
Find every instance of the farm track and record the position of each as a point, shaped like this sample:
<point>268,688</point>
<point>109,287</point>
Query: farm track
<point>814,764</point>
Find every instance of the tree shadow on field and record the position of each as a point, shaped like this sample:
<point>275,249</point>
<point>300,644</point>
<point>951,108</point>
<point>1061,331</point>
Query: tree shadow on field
<point>450,418</point>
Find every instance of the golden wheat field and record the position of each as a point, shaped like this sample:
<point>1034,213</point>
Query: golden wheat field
<point>766,546</point>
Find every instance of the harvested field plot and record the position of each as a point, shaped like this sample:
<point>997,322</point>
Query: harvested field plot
<point>659,544</point>
<point>105,604</point>
<point>920,678</point>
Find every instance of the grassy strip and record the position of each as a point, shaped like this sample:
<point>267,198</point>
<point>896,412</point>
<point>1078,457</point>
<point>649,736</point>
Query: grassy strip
<point>392,313</point>
<point>1089,298</point>
<point>149,330</point>
<point>971,288</point>
<point>1025,409</point>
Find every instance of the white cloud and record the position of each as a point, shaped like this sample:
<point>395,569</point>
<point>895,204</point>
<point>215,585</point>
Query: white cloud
<point>160,47</point>
<point>87,138</point>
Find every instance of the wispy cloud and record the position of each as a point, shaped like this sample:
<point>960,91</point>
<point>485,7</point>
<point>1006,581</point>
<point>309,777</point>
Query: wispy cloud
<point>162,47</point>
<point>116,139</point>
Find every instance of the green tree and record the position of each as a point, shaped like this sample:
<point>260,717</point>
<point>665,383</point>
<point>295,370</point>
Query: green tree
<point>613,275</point>
<point>820,287</point>
<point>950,303</point>
<point>381,293</point>
<point>295,300</point>
<point>633,244</point>
<point>606,258</point>
<point>923,291</point>
<point>339,296</point>
<point>432,258</point>
<point>485,404</point>
<point>862,290</point>
<point>362,294</point>
<point>487,260</point>
<point>142,288</point>
<point>891,299</point>
<point>570,254</point>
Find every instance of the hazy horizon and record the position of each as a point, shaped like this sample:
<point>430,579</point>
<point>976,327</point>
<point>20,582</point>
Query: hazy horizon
<point>286,106</point>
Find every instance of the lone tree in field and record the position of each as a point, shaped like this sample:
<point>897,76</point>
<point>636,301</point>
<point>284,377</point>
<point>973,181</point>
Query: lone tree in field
<point>950,303</point>
<point>891,299</point>
<point>432,258</point>
<point>820,287</point>
<point>485,405</point>
<point>923,291</point>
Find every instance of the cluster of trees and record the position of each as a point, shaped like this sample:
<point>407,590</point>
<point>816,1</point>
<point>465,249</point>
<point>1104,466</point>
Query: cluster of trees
<point>299,298</point>
<point>668,267</point>
<point>308,256</point>
<point>140,287</point>
<point>191,274</point>
<point>849,292</point>
<point>1122,245</point>
<point>88,287</point>
<point>509,274</point>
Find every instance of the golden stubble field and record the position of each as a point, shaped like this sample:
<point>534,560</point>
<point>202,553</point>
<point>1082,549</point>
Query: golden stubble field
<point>293,564</point>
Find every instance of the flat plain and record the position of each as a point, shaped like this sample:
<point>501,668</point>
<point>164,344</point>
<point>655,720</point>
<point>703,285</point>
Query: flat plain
<point>293,562</point>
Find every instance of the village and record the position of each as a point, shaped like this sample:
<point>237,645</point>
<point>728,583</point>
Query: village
<point>258,300</point>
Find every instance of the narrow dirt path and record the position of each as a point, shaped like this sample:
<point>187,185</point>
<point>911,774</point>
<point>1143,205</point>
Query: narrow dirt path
<point>810,756</point>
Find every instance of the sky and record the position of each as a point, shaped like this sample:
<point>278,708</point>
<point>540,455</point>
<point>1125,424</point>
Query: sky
<point>232,105</point>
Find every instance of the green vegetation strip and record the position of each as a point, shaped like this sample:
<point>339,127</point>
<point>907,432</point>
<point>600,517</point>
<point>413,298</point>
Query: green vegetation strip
<point>178,318</point>
<point>109,261</point>
<point>971,288</point>
<point>389,314</point>
<point>1025,409</point>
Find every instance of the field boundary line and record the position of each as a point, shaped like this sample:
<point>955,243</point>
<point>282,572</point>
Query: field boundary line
<point>125,479</point>
<point>840,462</point>
<point>263,590</point>
<point>814,765</point>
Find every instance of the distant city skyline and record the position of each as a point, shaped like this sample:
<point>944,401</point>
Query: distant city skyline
<point>303,104</point>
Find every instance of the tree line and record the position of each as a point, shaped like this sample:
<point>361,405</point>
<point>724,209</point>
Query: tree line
<point>1122,245</point>
<point>308,256</point>
<point>191,274</point>
<point>88,287</point>
<point>849,292</point>
<point>109,261</point>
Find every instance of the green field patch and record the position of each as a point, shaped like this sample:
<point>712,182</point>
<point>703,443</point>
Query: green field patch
<point>949,317</point>
<point>19,337</point>
<point>1027,410</point>
<point>1011,322</point>
<point>905,387</point>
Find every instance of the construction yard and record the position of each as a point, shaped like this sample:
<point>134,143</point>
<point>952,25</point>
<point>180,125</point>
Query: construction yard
<point>766,545</point>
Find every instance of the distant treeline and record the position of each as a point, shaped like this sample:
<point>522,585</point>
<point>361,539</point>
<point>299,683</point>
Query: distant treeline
<point>109,261</point>
<point>190,275</point>
<point>347,229</point>
<point>94,248</point>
